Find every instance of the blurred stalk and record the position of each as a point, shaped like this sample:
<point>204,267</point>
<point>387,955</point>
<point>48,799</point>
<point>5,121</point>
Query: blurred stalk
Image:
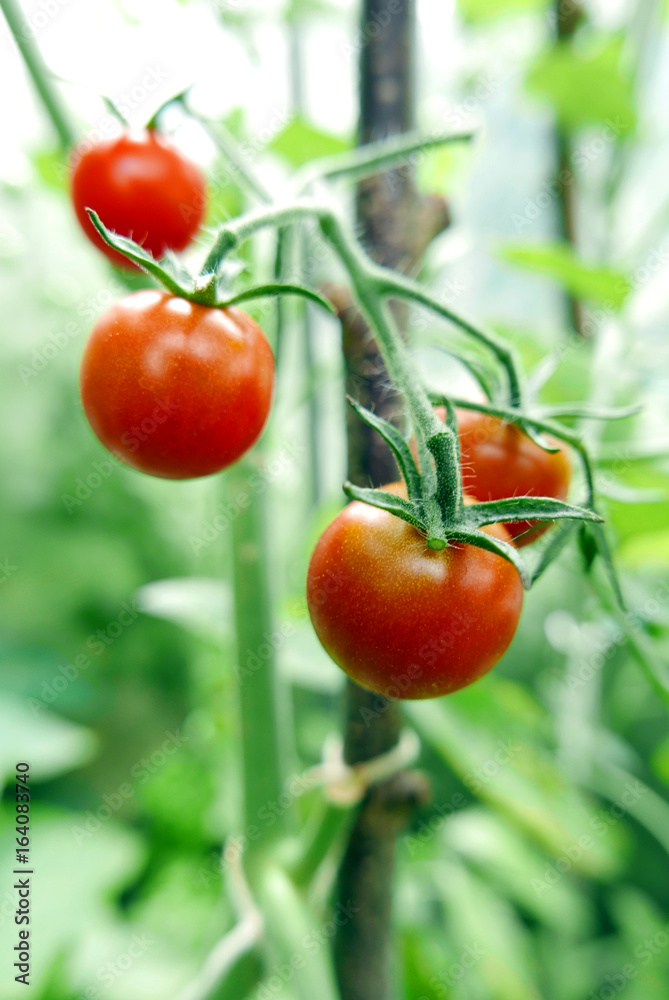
<point>41,76</point>
<point>295,42</point>
<point>568,14</point>
<point>262,733</point>
<point>397,226</point>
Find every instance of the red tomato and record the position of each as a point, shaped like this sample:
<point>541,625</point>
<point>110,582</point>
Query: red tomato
<point>402,619</point>
<point>140,186</point>
<point>176,389</point>
<point>499,460</point>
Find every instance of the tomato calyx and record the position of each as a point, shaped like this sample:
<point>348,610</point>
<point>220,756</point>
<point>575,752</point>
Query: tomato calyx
<point>212,288</point>
<point>434,504</point>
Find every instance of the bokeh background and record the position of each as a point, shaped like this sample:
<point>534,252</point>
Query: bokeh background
<point>540,868</point>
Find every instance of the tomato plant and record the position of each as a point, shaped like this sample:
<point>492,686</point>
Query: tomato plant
<point>140,186</point>
<point>499,460</point>
<point>402,619</point>
<point>174,388</point>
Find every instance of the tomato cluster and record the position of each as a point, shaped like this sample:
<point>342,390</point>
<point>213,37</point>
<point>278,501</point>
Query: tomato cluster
<point>409,622</point>
<point>181,390</point>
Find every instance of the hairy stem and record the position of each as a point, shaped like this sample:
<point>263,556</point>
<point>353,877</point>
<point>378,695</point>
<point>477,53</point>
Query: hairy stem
<point>39,73</point>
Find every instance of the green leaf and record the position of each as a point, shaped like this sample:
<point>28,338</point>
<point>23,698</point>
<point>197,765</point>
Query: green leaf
<point>395,442</point>
<point>504,549</point>
<point>526,509</point>
<point>52,168</point>
<point>51,745</point>
<point>468,730</point>
<point>404,509</point>
<point>559,261</point>
<point>598,534</point>
<point>276,289</point>
<point>202,605</point>
<point>300,142</point>
<point>488,10</point>
<point>557,541</point>
<point>586,88</point>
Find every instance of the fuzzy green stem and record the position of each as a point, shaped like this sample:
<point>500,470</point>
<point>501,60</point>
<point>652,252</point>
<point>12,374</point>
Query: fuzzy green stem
<point>39,73</point>
<point>545,427</point>
<point>368,159</point>
<point>397,285</point>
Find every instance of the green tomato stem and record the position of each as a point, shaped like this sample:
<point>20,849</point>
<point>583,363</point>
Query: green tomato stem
<point>263,720</point>
<point>40,74</point>
<point>375,156</point>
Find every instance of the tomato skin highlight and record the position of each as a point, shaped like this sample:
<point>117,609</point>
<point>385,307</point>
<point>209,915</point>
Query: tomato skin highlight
<point>175,389</point>
<point>401,619</point>
<point>499,460</point>
<point>141,186</point>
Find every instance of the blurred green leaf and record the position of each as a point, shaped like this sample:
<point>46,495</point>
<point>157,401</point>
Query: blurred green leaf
<point>300,142</point>
<point>561,262</point>
<point>489,735</point>
<point>587,88</point>
<point>48,743</point>
<point>202,605</point>
<point>488,10</point>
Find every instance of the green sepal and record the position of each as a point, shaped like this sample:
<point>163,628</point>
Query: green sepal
<point>395,442</point>
<point>407,510</point>
<point>274,289</point>
<point>590,412</point>
<point>481,540</point>
<point>526,509</point>
<point>538,438</point>
<point>557,541</point>
<point>486,378</point>
<point>598,535</point>
<point>168,275</point>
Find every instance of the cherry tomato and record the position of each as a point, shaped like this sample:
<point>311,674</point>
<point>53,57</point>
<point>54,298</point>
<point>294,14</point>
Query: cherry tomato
<point>402,619</point>
<point>176,389</point>
<point>140,186</point>
<point>499,460</point>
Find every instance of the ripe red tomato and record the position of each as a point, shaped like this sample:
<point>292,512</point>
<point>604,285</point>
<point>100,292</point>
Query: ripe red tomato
<point>140,186</point>
<point>176,389</point>
<point>402,619</point>
<point>499,460</point>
